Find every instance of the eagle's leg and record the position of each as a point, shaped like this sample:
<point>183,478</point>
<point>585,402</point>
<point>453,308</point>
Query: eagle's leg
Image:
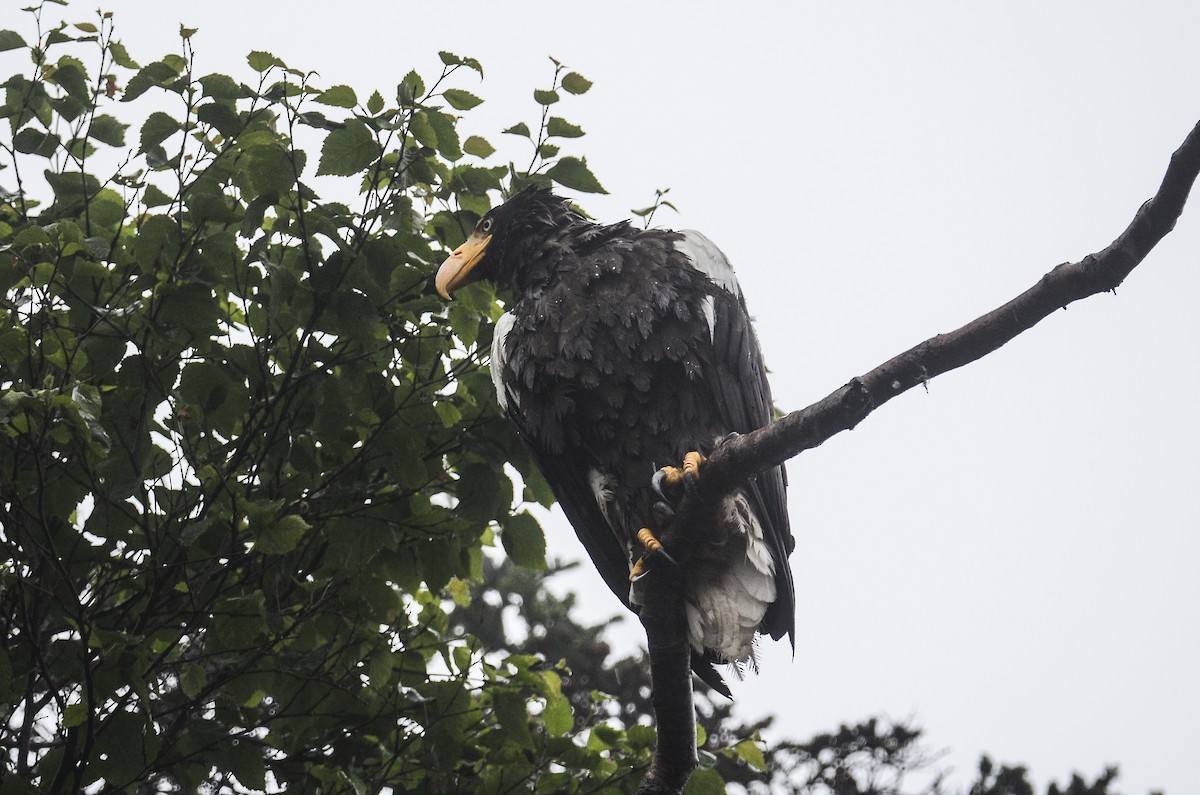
<point>663,514</point>
<point>668,482</point>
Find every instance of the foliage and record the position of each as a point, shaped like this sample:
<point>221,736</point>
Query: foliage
<point>611,694</point>
<point>247,452</point>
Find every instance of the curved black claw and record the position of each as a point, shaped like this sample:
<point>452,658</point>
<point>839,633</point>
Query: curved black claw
<point>659,482</point>
<point>653,549</point>
<point>662,552</point>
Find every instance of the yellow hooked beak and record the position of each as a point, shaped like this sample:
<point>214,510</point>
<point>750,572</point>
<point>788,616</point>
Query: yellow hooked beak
<point>456,270</point>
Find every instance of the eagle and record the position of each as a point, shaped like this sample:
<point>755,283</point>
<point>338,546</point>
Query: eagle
<point>622,352</point>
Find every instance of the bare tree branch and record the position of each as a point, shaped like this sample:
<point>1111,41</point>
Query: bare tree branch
<point>741,458</point>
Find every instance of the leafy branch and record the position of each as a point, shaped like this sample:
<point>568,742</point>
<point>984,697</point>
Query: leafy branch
<point>546,165</point>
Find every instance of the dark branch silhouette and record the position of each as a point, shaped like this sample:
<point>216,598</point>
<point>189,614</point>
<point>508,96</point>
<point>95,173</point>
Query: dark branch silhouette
<point>741,458</point>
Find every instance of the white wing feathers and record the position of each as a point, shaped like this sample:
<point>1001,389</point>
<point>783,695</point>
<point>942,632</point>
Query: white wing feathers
<point>712,262</point>
<point>503,326</point>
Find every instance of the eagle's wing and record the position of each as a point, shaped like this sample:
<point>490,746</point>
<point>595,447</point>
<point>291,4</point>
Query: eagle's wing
<point>743,399</point>
<point>580,493</point>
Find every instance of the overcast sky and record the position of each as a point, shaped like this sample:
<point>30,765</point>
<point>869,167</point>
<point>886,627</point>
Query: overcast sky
<point>1012,556</point>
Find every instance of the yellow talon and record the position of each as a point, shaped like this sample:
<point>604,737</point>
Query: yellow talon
<point>672,476</point>
<point>651,544</point>
<point>648,540</point>
<point>638,570</point>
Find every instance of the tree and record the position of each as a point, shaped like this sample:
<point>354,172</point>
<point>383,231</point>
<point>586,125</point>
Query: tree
<point>249,458</point>
<point>873,756</point>
<point>247,452</point>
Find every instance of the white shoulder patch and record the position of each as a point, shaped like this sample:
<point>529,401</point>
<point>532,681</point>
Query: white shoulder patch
<point>708,259</point>
<point>503,326</point>
<point>712,262</point>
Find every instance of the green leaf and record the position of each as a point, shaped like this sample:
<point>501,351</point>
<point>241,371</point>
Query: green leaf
<point>557,714</point>
<point>461,100</point>
<point>448,413</point>
<point>520,128</point>
<point>524,542</point>
<point>120,55</point>
<point>459,591</point>
<point>154,74</point>
<point>153,197</point>
<point>422,129</point>
<point>11,40</point>
<point>543,97</point>
<point>338,96</point>
<point>348,150</point>
<point>461,654</point>
<point>483,493</point>
<point>125,744</point>
<point>75,715</point>
<point>220,117</point>
<point>107,208</point>
<point>573,173</point>
<point>158,128</point>
<point>208,202</point>
<point>57,36</point>
<point>642,736</point>
<point>562,128</point>
<point>705,781</point>
<point>218,86</point>
<point>576,83</point>
<point>447,135</point>
<point>31,236</point>
<point>474,145</point>
<point>450,59</point>
<point>32,141</point>
<point>246,763</point>
<point>266,170</point>
<point>261,61</point>
<point>71,186</point>
<point>157,241</point>
<point>193,679</point>
<point>279,538</point>
<point>108,130</point>
<point>411,88</point>
<point>73,78</point>
<point>511,710</point>
<point>375,103</point>
<point>749,751</point>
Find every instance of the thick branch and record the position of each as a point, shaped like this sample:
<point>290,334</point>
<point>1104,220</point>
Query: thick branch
<point>665,620</point>
<point>739,459</point>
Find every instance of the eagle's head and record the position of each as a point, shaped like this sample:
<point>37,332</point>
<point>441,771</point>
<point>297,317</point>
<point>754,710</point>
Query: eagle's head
<point>509,236</point>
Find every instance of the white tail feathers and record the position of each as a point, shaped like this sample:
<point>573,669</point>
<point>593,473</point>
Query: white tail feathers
<point>729,595</point>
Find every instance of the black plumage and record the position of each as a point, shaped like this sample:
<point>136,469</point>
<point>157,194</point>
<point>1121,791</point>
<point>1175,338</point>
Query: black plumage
<point>621,351</point>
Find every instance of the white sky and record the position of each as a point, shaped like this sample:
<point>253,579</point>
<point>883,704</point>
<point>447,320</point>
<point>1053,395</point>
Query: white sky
<point>1012,557</point>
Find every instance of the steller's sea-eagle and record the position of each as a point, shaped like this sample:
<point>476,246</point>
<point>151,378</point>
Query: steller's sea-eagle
<point>623,350</point>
